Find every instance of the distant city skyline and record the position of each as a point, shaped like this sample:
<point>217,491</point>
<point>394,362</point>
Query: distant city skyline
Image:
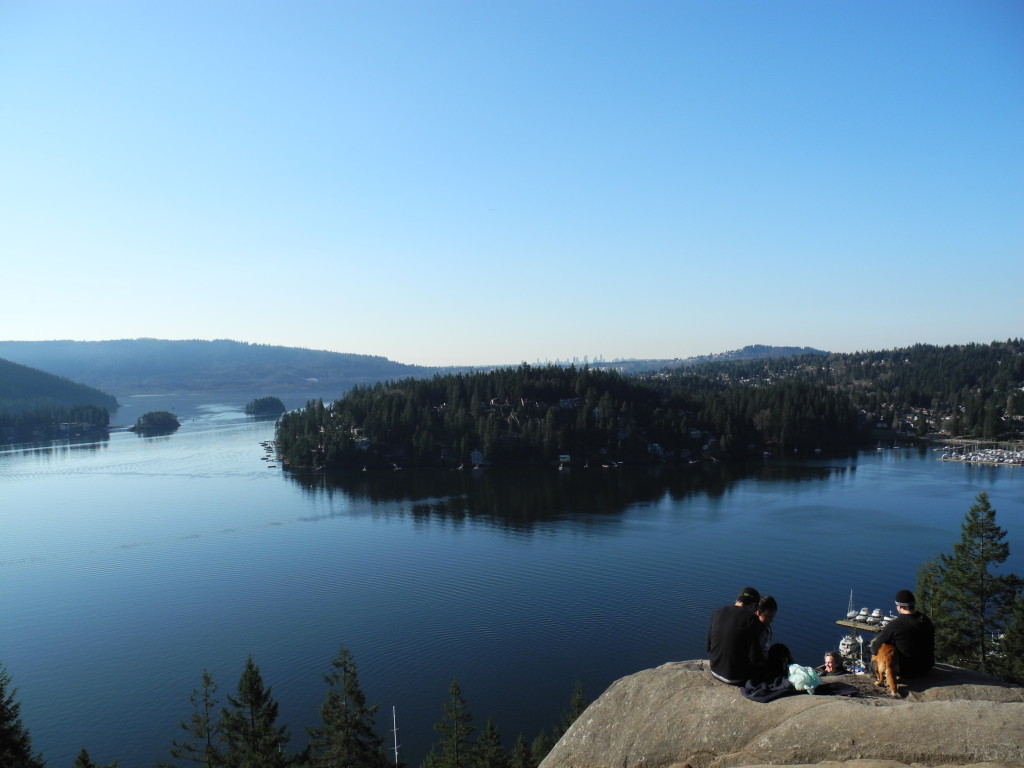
<point>454,183</point>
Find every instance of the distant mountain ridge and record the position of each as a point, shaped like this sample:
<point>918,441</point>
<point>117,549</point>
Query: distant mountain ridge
<point>756,352</point>
<point>749,352</point>
<point>156,366</point>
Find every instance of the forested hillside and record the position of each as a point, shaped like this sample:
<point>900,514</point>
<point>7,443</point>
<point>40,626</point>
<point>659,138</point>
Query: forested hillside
<point>26,389</point>
<point>38,405</point>
<point>715,409</point>
<point>969,390</point>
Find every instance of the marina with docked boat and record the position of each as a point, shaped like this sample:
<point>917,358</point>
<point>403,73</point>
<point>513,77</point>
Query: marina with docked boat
<point>977,453</point>
<point>851,646</point>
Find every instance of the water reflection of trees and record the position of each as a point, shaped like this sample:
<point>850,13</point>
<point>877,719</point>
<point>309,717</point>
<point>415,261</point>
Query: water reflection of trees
<point>520,498</point>
<point>59,447</point>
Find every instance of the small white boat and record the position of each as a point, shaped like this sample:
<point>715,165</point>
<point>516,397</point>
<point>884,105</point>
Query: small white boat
<point>847,646</point>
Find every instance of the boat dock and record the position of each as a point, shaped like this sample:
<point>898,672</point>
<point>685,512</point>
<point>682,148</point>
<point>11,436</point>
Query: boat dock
<point>860,626</point>
<point>1010,456</point>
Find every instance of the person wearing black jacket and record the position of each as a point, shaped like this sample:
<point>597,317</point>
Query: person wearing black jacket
<point>734,643</point>
<point>913,635</point>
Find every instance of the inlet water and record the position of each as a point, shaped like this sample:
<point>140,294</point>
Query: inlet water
<point>129,566</point>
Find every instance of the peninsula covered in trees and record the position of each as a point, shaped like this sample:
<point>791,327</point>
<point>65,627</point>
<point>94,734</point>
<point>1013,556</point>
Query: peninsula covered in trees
<point>716,409</point>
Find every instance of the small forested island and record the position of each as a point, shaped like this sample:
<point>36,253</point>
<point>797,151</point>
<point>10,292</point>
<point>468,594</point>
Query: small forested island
<point>711,411</point>
<point>265,406</point>
<point>155,423</point>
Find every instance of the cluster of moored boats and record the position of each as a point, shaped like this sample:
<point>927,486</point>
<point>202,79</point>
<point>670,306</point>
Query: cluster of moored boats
<point>268,449</point>
<point>851,647</point>
<point>864,616</point>
<point>1002,456</point>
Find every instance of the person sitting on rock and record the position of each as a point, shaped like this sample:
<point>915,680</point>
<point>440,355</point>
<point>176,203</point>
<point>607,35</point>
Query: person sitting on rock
<point>734,640</point>
<point>913,635</point>
<point>833,664</point>
<point>777,656</point>
<point>766,609</point>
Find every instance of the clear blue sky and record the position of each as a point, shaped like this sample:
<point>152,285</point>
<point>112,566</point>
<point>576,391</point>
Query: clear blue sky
<point>482,181</point>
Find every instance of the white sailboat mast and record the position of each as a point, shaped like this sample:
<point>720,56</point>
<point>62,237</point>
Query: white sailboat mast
<point>394,731</point>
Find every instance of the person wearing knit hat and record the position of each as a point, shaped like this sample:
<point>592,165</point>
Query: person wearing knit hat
<point>913,635</point>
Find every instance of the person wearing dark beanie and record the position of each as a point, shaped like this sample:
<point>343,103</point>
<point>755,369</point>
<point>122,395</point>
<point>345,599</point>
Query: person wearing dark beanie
<point>913,635</point>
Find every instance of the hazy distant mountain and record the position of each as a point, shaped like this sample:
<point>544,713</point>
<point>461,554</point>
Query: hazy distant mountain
<point>153,366</point>
<point>750,352</point>
<point>755,352</point>
<point>23,388</point>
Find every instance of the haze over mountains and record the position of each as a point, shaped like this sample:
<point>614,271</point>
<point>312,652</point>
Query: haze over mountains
<point>155,366</point>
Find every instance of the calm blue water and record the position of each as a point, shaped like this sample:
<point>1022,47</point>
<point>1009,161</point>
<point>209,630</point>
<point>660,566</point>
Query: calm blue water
<point>129,566</point>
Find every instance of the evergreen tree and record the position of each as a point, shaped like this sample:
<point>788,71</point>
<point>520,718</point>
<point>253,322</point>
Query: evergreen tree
<point>249,728</point>
<point>347,738</point>
<point>967,601</point>
<point>202,744</point>
<point>488,751</point>
<point>520,756</point>
<point>1008,663</point>
<point>453,748</point>
<point>576,706</point>
<point>540,747</point>
<point>15,741</point>
<point>83,761</point>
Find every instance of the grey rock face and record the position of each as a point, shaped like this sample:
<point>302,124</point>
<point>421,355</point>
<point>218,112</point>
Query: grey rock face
<point>677,715</point>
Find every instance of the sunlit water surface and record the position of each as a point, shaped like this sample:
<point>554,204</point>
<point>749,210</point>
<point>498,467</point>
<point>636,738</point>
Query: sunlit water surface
<point>129,566</point>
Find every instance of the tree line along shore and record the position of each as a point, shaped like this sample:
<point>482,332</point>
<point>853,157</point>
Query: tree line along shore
<point>712,408</point>
<point>716,410</point>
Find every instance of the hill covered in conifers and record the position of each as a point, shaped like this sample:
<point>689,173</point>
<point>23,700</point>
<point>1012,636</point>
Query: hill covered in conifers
<point>710,409</point>
<point>35,405</point>
<point>965,390</point>
<point>27,389</point>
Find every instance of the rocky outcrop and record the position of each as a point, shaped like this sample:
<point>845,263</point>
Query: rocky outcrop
<point>678,716</point>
